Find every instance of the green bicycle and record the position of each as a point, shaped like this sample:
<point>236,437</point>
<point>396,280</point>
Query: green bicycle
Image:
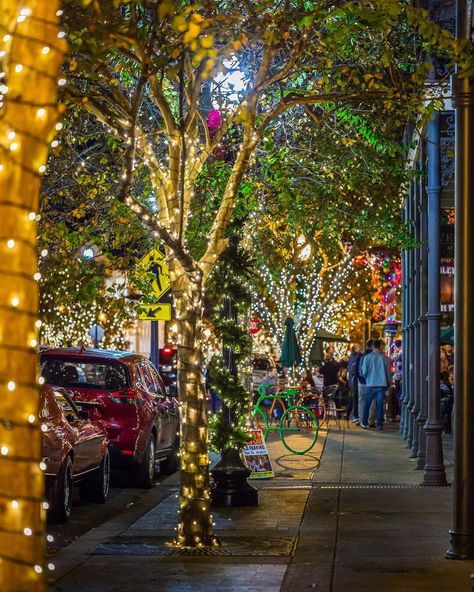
<point>305,421</point>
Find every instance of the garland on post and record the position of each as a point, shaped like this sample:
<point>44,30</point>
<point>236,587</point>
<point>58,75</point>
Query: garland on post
<point>230,280</point>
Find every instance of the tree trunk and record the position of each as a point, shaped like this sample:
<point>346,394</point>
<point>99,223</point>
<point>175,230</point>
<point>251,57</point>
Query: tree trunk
<point>195,522</point>
<point>33,56</point>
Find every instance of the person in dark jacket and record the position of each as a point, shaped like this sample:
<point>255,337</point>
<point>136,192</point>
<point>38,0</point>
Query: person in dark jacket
<point>330,371</point>
<point>353,383</point>
<point>369,347</point>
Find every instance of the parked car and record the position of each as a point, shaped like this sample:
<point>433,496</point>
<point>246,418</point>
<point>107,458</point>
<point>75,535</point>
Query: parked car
<point>140,419</point>
<point>74,450</point>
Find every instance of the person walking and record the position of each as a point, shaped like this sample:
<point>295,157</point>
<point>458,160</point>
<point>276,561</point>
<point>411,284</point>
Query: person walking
<point>353,383</point>
<point>375,368</point>
<point>369,348</point>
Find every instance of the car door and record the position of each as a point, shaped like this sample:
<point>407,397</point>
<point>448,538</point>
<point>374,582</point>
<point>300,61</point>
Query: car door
<point>149,413</point>
<point>87,440</point>
<point>168,409</point>
<point>55,432</point>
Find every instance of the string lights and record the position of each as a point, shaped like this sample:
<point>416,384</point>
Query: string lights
<point>28,90</point>
<point>318,297</point>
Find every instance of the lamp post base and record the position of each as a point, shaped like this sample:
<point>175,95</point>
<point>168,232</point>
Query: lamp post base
<point>230,488</point>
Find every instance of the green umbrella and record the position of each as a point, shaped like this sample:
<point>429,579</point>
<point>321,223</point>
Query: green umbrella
<point>290,350</point>
<point>447,336</point>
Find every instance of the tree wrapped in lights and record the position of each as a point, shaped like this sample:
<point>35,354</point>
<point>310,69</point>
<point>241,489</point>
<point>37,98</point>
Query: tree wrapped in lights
<point>80,216</point>
<point>317,295</point>
<point>146,71</point>
<point>386,274</point>
<point>31,51</point>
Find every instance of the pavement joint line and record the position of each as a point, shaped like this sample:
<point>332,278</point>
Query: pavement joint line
<point>374,486</point>
<point>285,487</point>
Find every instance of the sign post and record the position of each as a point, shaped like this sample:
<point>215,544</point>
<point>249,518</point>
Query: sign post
<point>155,263</point>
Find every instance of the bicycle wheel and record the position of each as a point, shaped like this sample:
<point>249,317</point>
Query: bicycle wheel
<point>294,412</point>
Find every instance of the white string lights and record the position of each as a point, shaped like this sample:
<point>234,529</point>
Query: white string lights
<point>318,298</point>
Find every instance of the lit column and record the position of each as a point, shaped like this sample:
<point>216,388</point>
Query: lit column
<point>31,54</point>
<point>462,534</point>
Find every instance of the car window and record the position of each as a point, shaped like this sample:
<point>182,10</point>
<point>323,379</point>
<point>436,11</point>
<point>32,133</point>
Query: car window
<point>147,379</point>
<point>156,379</point>
<point>65,406</point>
<point>87,373</point>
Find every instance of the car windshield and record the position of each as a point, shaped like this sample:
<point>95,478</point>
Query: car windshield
<point>87,373</point>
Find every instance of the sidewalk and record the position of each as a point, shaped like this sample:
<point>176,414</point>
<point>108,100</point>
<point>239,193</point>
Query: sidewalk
<point>330,529</point>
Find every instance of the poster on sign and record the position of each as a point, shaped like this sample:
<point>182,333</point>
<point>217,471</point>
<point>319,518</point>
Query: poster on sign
<point>256,457</point>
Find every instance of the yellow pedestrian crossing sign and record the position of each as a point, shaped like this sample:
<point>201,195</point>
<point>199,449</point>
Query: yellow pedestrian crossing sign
<point>154,312</point>
<point>154,262</point>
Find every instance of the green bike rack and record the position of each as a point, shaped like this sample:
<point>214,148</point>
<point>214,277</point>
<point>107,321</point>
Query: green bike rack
<point>287,415</point>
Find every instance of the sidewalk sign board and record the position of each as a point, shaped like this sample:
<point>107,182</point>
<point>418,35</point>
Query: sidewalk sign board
<point>256,457</point>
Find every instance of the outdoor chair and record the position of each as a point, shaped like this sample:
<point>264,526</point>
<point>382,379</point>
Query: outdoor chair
<point>336,405</point>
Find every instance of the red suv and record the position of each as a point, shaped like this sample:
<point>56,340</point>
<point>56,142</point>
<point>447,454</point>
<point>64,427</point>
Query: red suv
<point>140,419</point>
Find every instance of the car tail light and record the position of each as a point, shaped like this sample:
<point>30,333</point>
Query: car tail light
<point>128,396</point>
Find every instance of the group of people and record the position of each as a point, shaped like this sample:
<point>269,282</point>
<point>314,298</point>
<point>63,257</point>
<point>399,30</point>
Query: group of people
<point>370,377</point>
<point>362,380</point>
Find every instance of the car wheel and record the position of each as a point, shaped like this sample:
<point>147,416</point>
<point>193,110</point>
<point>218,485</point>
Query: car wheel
<point>96,487</point>
<point>61,493</point>
<point>171,463</point>
<point>145,473</point>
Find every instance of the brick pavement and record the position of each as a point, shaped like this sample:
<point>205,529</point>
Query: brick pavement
<point>332,528</point>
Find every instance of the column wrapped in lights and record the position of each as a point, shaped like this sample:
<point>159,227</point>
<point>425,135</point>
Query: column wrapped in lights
<point>31,51</point>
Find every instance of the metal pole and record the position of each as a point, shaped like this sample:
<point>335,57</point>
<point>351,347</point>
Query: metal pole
<point>423,384</point>
<point>416,318</point>
<point>404,331</point>
<point>411,306</point>
<point>154,345</point>
<point>409,349</point>
<point>462,534</point>
<point>434,467</point>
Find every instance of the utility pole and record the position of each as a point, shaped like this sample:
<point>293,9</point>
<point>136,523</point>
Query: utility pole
<point>462,533</point>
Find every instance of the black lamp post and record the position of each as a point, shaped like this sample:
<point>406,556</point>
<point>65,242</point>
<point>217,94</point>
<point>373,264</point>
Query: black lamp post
<point>230,475</point>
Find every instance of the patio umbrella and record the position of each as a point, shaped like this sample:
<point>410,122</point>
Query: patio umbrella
<point>290,350</point>
<point>447,336</point>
